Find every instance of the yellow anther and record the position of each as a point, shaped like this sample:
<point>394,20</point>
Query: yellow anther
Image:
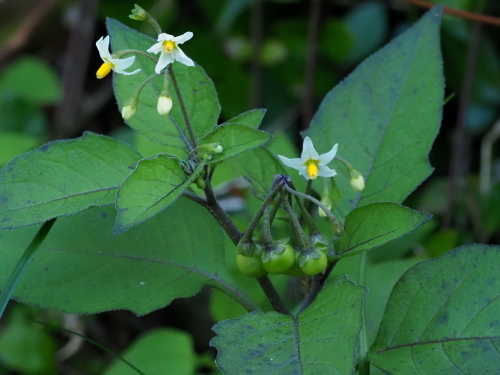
<point>312,169</point>
<point>168,46</point>
<point>104,70</point>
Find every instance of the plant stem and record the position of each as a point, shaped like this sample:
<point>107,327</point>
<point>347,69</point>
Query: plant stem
<point>364,365</point>
<point>124,52</point>
<point>22,263</point>
<point>189,127</point>
<point>272,295</point>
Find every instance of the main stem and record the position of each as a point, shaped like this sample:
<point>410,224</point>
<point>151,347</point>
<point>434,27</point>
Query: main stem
<point>189,127</point>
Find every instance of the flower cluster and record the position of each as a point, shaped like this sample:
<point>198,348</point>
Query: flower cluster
<point>168,47</point>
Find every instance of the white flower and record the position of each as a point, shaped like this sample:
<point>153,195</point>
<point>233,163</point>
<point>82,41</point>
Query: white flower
<point>310,164</point>
<point>170,51</point>
<point>110,63</point>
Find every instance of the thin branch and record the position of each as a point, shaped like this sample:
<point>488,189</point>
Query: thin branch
<point>490,20</point>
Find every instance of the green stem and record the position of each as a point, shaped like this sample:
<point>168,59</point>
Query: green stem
<point>364,365</point>
<point>124,52</point>
<point>189,127</point>
<point>305,212</point>
<point>22,263</point>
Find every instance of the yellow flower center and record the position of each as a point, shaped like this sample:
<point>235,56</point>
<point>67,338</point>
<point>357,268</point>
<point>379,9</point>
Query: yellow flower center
<point>312,168</point>
<point>104,70</point>
<point>168,46</point>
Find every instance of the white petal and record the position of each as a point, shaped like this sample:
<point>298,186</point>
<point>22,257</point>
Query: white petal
<point>326,172</point>
<point>103,47</point>
<point>122,64</point>
<point>164,36</point>
<point>292,163</point>
<point>328,157</point>
<point>181,57</point>
<point>183,38</point>
<point>155,48</point>
<point>128,74</point>
<point>165,59</point>
<point>304,173</point>
<point>308,151</point>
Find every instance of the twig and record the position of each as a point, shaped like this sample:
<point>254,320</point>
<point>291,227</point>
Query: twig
<point>459,13</point>
<point>459,141</point>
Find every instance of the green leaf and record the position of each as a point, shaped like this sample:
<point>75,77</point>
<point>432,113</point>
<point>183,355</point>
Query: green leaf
<point>442,316</point>
<point>197,90</point>
<point>162,351</point>
<point>321,340</point>
<point>251,118</point>
<point>259,166</point>
<point>13,144</point>
<point>26,76</point>
<point>153,186</point>
<point>234,140</point>
<point>385,116</point>
<point>83,268</point>
<point>62,178</point>
<point>373,225</point>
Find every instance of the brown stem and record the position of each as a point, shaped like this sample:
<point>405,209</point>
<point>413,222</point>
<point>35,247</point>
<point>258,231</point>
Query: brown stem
<point>312,37</point>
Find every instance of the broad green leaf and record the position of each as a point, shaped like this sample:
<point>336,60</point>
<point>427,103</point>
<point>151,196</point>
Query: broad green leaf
<point>159,352</point>
<point>26,76</point>
<point>321,340</point>
<point>83,268</point>
<point>259,166</point>
<point>234,140</point>
<point>153,186</point>
<point>373,225</point>
<point>197,90</point>
<point>385,116</point>
<point>62,178</point>
<point>442,316</point>
<point>251,118</point>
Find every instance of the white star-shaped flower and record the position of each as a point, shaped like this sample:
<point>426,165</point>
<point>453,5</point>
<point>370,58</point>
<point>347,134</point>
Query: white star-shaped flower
<point>110,63</point>
<point>311,164</point>
<point>168,45</point>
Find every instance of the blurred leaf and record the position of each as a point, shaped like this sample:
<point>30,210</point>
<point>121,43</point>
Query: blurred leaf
<point>24,347</point>
<point>442,241</point>
<point>367,24</point>
<point>83,268</point>
<point>62,178</point>
<point>26,76</point>
<point>373,225</point>
<point>234,140</point>
<point>198,92</point>
<point>272,343</point>
<point>373,116</point>
<point>223,307</point>
<point>336,39</point>
<point>442,316</point>
<point>14,144</point>
<point>20,115</point>
<point>229,13</point>
<point>159,352</point>
<point>154,185</point>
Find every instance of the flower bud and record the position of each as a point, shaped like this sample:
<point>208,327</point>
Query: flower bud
<point>130,108</point>
<point>357,181</point>
<point>325,199</point>
<point>138,13</point>
<point>164,105</point>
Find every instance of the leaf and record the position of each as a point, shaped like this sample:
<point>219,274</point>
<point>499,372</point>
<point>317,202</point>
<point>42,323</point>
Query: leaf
<point>26,75</point>
<point>385,116</point>
<point>83,268</point>
<point>198,91</point>
<point>442,316</point>
<point>259,166</point>
<point>251,118</point>
<point>321,340</point>
<point>62,178</point>
<point>234,140</point>
<point>153,186</point>
<point>161,351</point>
<point>375,224</point>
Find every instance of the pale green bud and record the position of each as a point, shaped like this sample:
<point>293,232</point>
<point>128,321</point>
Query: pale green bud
<point>164,105</point>
<point>357,181</point>
<point>138,13</point>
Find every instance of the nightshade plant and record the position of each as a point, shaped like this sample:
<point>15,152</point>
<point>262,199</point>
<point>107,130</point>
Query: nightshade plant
<point>135,233</point>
